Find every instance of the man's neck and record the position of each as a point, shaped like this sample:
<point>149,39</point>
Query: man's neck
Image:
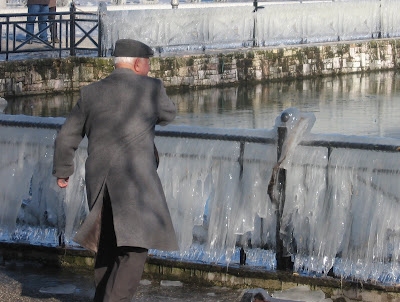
<point>125,65</point>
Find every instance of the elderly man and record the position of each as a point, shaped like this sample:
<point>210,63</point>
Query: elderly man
<point>128,211</point>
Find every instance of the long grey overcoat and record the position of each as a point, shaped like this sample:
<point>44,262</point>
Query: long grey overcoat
<point>118,115</point>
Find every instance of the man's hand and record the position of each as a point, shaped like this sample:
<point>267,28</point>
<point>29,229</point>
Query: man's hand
<point>62,182</point>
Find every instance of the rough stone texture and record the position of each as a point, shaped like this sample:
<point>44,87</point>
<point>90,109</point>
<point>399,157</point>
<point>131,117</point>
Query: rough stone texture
<point>204,70</point>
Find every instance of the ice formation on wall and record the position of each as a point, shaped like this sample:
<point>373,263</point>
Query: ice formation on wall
<point>340,210</point>
<point>210,26</point>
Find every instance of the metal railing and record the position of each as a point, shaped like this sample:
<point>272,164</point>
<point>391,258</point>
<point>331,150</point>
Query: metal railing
<point>76,30</point>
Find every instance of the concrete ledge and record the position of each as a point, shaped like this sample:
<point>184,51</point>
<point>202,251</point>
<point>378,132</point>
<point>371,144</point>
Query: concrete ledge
<point>207,274</point>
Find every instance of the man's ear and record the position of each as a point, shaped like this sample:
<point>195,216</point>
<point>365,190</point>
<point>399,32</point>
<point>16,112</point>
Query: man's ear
<point>137,65</point>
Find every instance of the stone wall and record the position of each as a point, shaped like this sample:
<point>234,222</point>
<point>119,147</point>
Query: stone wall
<point>204,70</point>
<point>338,290</point>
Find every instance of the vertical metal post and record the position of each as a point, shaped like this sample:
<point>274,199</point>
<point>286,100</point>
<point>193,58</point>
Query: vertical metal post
<point>241,161</point>
<point>7,34</point>
<point>60,35</point>
<point>72,28</point>
<point>283,262</point>
<point>380,20</point>
<point>102,12</point>
<point>255,4</point>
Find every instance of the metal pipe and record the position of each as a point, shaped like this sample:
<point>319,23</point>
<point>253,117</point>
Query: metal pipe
<point>102,12</point>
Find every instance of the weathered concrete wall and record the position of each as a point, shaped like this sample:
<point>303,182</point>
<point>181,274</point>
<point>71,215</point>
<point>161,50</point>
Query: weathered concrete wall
<point>205,70</point>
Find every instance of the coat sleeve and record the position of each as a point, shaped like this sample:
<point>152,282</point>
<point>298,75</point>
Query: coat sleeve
<point>67,141</point>
<point>167,109</point>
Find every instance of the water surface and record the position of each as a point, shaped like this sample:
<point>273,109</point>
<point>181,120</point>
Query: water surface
<point>351,105</point>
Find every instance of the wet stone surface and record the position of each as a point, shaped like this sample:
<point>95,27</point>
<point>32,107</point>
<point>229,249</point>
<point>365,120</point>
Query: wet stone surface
<point>27,282</point>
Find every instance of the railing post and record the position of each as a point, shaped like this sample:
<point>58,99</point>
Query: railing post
<point>7,35</point>
<point>241,162</point>
<point>255,5</point>
<point>72,28</point>
<point>283,262</point>
<point>102,11</point>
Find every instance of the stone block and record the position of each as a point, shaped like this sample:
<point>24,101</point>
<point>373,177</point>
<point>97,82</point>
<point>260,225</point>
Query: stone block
<point>362,59</point>
<point>206,82</point>
<point>211,276</point>
<point>201,74</point>
<point>86,74</point>
<point>370,296</point>
<point>292,68</point>
<point>155,65</point>
<point>212,66</point>
<point>389,50</point>
<point>352,294</point>
<point>215,79</point>
<point>214,61</point>
<point>336,63</point>
<point>182,72</point>
<point>175,81</point>
<point>352,52</point>
<point>75,74</point>
<point>188,81</point>
<point>19,88</point>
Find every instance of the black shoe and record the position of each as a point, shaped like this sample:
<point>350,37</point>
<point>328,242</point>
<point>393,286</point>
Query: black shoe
<point>56,40</point>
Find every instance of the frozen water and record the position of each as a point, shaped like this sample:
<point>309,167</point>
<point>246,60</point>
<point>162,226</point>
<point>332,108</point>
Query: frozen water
<point>182,29</point>
<point>214,204</point>
<point>195,27</point>
<point>340,208</point>
<point>28,194</point>
<point>210,26</point>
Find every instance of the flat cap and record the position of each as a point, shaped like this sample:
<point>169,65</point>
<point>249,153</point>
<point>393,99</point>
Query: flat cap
<point>132,48</point>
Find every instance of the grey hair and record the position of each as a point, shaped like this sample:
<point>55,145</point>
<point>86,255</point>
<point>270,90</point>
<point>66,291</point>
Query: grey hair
<point>129,60</point>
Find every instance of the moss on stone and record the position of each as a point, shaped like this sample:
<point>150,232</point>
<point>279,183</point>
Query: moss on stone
<point>250,55</point>
<point>190,61</point>
<point>328,53</point>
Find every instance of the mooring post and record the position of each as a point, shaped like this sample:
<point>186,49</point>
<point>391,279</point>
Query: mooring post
<point>72,11</point>
<point>283,262</point>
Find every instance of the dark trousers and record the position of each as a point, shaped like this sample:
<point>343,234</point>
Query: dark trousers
<point>118,270</point>
<point>53,27</point>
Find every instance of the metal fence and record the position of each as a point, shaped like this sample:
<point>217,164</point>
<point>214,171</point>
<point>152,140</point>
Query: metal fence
<point>77,31</point>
